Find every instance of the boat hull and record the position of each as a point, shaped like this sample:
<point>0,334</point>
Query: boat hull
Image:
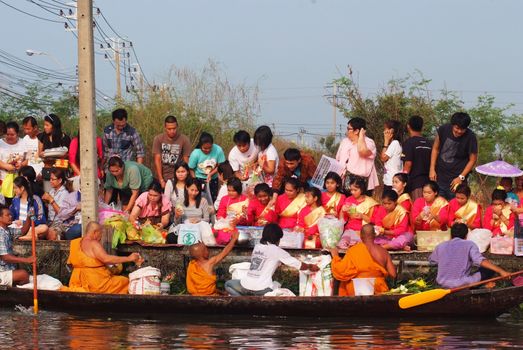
<point>464,304</point>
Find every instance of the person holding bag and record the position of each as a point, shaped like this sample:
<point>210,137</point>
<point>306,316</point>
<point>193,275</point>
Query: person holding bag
<point>357,152</point>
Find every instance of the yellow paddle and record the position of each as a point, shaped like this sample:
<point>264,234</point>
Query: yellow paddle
<point>436,294</point>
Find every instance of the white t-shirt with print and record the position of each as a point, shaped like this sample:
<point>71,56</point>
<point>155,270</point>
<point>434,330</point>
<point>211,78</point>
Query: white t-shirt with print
<point>394,164</point>
<point>31,147</point>
<point>10,153</point>
<point>239,161</point>
<point>265,260</point>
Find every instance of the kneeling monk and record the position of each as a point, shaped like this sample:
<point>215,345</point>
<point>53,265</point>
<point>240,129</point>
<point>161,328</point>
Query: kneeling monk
<point>363,260</point>
<point>89,259</point>
<point>201,279</point>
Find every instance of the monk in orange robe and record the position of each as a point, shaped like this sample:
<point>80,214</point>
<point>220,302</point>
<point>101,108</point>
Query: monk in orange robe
<point>201,279</point>
<point>363,260</point>
<point>89,259</point>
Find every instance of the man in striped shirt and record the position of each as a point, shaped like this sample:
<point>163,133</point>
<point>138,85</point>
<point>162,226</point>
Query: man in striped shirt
<point>121,139</point>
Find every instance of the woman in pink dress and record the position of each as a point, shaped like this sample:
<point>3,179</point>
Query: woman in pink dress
<point>259,211</point>
<point>289,204</point>
<point>332,199</point>
<point>430,212</point>
<point>234,207</point>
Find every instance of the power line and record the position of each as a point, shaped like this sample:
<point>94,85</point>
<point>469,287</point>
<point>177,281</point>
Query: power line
<point>29,14</point>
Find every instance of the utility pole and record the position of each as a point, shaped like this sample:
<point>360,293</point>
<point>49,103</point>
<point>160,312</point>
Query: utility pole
<point>87,116</point>
<point>334,102</point>
<point>116,48</point>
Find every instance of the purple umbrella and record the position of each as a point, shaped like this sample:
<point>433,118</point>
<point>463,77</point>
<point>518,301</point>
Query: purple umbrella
<point>499,168</point>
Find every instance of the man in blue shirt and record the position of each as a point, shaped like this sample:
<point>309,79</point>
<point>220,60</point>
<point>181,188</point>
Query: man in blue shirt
<point>9,275</point>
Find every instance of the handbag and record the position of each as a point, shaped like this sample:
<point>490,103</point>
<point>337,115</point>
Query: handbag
<point>8,190</point>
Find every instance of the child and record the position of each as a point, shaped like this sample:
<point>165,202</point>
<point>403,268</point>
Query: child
<point>289,203</point>
<point>308,218</point>
<point>332,200</point>
<point>499,218</point>
<point>391,153</point>
<point>507,183</point>
<point>259,212</point>
<point>232,206</point>
<point>430,212</point>
<point>268,155</point>
<point>243,156</point>
<point>358,210</point>
<point>464,210</point>
<point>392,223</point>
<point>201,279</point>
<point>225,172</point>
<point>399,184</point>
<point>204,161</point>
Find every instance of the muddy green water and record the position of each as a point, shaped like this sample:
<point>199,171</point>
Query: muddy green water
<point>52,330</point>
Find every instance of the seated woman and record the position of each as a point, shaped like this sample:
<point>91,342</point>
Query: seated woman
<point>499,218</point>
<point>175,189</point>
<point>62,203</point>
<point>259,211</point>
<point>392,223</point>
<point>88,259</point>
<point>128,178</point>
<point>265,259</point>
<point>232,206</point>
<point>26,203</point>
<point>308,218</point>
<point>399,184</point>
<point>332,199</point>
<point>358,210</point>
<point>194,207</point>
<point>430,212</point>
<point>464,210</point>
<point>289,203</point>
<point>152,206</point>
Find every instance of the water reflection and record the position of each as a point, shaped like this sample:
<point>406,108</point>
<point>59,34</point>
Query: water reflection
<point>65,331</point>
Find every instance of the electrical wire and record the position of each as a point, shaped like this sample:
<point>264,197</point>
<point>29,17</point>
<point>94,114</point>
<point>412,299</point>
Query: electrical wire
<point>29,14</point>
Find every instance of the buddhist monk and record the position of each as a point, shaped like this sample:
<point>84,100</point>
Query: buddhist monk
<point>201,279</point>
<point>89,261</point>
<point>363,260</point>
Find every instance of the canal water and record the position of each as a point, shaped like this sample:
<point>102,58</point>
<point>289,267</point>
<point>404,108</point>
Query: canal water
<point>53,330</point>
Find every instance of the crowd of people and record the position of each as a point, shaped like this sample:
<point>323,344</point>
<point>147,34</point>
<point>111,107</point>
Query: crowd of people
<point>424,183</point>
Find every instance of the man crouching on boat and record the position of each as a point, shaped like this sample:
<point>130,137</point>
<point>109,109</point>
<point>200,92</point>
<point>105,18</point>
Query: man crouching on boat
<point>363,260</point>
<point>9,275</point>
<point>456,257</point>
<point>201,279</point>
<point>89,259</point>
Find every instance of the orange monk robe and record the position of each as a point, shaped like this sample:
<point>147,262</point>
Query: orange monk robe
<point>358,263</point>
<point>198,281</point>
<point>91,275</point>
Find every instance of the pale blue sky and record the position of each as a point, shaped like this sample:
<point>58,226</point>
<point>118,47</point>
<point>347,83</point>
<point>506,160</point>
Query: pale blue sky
<point>292,48</point>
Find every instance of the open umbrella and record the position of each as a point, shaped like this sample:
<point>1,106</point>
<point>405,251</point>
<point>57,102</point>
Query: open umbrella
<point>499,168</point>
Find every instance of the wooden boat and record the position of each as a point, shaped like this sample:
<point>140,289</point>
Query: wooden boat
<point>471,303</point>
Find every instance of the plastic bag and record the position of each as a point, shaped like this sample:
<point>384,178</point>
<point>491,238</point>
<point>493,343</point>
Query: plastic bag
<point>206,234</point>
<point>145,281</point>
<point>222,224</point>
<point>151,235</point>
<point>481,237</point>
<point>8,186</point>
<point>44,282</point>
<point>503,245</point>
<point>331,230</point>
<point>189,234</point>
<point>318,283</point>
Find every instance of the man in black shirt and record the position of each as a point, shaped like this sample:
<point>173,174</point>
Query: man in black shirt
<point>454,154</point>
<point>416,157</point>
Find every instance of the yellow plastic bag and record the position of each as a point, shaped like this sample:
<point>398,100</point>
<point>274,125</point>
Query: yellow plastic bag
<point>8,186</point>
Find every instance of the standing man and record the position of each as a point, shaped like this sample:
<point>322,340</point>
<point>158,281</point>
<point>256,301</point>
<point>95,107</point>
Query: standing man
<point>31,131</point>
<point>357,153</point>
<point>416,157</point>
<point>454,154</point>
<point>121,139</point>
<point>168,149</point>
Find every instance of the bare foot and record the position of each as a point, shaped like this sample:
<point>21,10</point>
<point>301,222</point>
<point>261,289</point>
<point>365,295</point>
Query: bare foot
<point>490,285</point>
<point>25,238</point>
<point>407,248</point>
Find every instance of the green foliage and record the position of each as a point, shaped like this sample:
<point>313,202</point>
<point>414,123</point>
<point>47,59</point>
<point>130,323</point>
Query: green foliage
<point>498,131</point>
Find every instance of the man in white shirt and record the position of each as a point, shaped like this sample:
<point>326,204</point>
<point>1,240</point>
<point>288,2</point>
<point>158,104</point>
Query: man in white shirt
<point>31,131</point>
<point>243,157</point>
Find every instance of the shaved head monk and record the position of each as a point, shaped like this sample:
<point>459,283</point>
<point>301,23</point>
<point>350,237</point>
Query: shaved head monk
<point>363,260</point>
<point>201,279</point>
<point>88,258</point>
